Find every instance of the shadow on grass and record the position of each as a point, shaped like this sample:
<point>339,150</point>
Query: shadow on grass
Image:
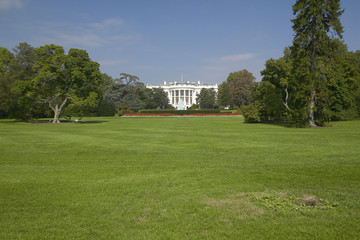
<point>289,125</point>
<point>10,121</point>
<point>65,122</point>
<point>286,125</point>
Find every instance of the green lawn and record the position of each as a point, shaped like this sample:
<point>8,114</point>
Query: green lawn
<point>178,178</point>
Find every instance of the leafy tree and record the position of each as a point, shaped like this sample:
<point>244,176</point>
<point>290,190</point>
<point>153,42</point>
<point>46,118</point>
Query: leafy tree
<point>241,85</point>
<point>105,109</point>
<point>223,95</point>
<point>7,99</point>
<point>315,23</point>
<point>62,79</point>
<point>26,57</point>
<point>160,98</point>
<point>133,95</point>
<point>129,79</point>
<point>206,99</point>
<point>106,81</point>
<point>274,92</point>
<point>343,84</point>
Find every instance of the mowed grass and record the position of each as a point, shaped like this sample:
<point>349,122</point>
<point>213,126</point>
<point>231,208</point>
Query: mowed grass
<point>178,178</point>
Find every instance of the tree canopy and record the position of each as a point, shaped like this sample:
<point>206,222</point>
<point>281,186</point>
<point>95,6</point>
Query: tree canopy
<point>317,79</point>
<point>316,23</point>
<point>237,90</point>
<point>206,99</point>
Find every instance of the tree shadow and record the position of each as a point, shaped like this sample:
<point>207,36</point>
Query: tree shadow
<point>285,125</point>
<point>47,121</point>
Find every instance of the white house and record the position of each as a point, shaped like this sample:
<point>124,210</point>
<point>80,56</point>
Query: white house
<point>183,95</point>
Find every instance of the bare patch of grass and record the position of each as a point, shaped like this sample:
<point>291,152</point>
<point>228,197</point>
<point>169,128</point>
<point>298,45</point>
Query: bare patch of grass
<point>241,204</point>
<point>308,200</point>
<point>142,219</point>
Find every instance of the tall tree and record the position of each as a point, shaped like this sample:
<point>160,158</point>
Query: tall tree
<point>316,22</point>
<point>223,95</point>
<point>206,99</point>
<point>160,98</point>
<point>26,57</point>
<point>7,99</point>
<point>61,79</point>
<point>133,95</point>
<point>128,78</point>
<point>241,85</point>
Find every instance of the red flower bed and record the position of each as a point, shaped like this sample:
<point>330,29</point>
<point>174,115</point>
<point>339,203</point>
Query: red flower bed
<point>170,114</point>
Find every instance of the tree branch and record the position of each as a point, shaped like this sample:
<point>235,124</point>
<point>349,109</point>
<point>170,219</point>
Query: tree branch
<point>286,98</point>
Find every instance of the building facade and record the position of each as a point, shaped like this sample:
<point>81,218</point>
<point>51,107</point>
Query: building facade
<point>183,95</point>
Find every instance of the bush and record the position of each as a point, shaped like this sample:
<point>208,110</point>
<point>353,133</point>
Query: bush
<point>345,115</point>
<point>240,110</point>
<point>105,109</point>
<point>251,114</point>
<point>193,107</point>
<point>124,109</point>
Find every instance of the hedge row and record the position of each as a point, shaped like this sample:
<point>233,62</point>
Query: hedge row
<point>179,112</point>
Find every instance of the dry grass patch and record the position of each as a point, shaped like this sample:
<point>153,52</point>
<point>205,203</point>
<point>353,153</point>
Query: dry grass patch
<point>241,204</point>
<point>308,200</point>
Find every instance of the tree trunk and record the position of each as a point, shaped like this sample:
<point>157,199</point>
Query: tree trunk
<point>313,92</point>
<point>57,111</point>
<point>56,114</point>
<point>312,112</point>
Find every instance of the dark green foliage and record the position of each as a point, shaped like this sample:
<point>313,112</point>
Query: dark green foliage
<point>105,109</point>
<point>316,23</point>
<point>133,94</point>
<point>240,86</point>
<point>193,107</point>
<point>237,90</point>
<point>38,80</point>
<point>160,98</point>
<point>279,101</point>
<point>179,112</point>
<point>317,80</point>
<point>15,76</point>
<point>207,99</point>
<point>251,114</point>
<point>136,95</point>
<point>223,95</point>
<point>240,110</point>
<point>124,109</point>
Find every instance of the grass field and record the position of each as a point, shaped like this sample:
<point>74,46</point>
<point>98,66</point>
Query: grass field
<point>178,178</point>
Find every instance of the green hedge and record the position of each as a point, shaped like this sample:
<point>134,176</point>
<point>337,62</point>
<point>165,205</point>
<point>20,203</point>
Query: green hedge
<point>179,112</point>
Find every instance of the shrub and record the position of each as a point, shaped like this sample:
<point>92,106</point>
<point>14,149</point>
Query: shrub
<point>124,109</point>
<point>240,110</point>
<point>251,114</point>
<point>105,109</point>
<point>193,107</point>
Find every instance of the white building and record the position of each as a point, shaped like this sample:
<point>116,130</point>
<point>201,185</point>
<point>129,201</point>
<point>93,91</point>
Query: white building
<point>183,95</point>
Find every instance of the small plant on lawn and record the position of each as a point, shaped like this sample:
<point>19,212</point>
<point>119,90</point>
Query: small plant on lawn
<point>282,202</point>
<point>124,109</point>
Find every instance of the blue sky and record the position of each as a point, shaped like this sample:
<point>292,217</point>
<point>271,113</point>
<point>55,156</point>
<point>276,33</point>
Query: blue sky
<point>157,40</point>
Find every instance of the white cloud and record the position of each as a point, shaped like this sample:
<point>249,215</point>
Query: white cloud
<point>108,24</point>
<point>8,4</point>
<point>100,34</point>
<point>83,39</point>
